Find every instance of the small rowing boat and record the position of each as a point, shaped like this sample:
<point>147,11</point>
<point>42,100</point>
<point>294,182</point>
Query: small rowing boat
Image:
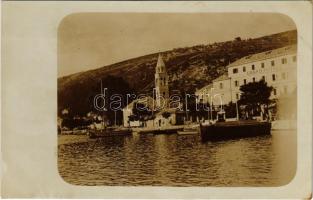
<point>109,132</point>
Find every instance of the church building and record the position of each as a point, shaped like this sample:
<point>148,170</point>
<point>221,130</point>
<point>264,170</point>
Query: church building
<point>163,115</point>
<point>161,84</point>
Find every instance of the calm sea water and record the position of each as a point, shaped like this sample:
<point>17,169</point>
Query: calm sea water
<point>174,160</point>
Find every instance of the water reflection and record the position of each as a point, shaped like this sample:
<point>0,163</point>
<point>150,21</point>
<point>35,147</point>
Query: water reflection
<point>174,160</point>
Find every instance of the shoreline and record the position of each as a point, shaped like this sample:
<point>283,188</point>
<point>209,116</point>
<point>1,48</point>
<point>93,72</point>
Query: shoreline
<point>70,139</point>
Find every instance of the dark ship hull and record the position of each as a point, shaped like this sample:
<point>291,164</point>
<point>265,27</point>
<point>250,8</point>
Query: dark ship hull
<point>232,130</point>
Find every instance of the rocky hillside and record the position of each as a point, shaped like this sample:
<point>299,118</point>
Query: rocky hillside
<point>189,68</point>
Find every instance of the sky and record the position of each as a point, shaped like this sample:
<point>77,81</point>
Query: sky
<point>92,40</point>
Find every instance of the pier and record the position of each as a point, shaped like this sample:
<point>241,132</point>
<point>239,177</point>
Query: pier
<point>158,130</point>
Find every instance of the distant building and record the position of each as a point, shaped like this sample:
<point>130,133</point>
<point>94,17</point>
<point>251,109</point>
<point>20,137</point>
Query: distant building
<point>174,118</point>
<point>148,102</point>
<point>222,90</point>
<point>202,93</point>
<point>277,67</point>
<point>218,92</point>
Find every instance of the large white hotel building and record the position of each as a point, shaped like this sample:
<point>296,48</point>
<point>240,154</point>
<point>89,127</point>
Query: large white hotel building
<point>277,67</point>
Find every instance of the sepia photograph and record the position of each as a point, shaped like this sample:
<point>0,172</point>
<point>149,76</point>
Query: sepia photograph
<point>156,99</point>
<point>147,99</point>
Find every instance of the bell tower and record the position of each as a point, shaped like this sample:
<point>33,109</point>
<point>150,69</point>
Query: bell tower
<point>161,83</point>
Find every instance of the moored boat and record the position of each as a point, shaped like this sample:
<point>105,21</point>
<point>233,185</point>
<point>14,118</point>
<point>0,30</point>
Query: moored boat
<point>234,129</point>
<point>109,132</point>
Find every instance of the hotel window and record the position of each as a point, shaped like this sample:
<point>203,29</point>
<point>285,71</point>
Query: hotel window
<point>294,58</point>
<point>244,68</point>
<point>252,66</point>
<point>262,65</point>
<point>284,60</point>
<point>274,91</point>
<point>263,78</point>
<point>253,79</point>
<point>237,96</point>
<point>236,83</point>
<point>283,76</point>
<point>244,81</point>
<point>235,70</point>
<point>273,63</point>
<point>221,85</point>
<point>273,77</point>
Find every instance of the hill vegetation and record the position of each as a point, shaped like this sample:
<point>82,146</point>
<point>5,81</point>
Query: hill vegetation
<point>189,68</point>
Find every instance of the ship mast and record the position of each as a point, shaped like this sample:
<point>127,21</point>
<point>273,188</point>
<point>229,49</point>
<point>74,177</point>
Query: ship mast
<point>103,104</point>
